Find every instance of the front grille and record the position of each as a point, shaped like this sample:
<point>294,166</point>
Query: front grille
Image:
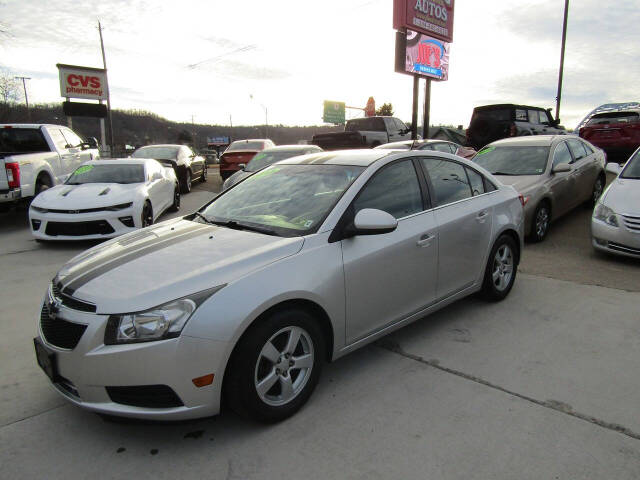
<point>624,248</point>
<point>59,332</point>
<point>71,302</point>
<point>149,396</point>
<point>632,222</point>
<point>78,229</point>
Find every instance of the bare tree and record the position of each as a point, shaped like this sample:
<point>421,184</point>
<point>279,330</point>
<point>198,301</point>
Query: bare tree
<point>10,89</point>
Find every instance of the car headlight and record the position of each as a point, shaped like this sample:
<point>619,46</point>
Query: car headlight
<point>605,214</point>
<point>159,323</point>
<point>39,209</point>
<point>120,206</point>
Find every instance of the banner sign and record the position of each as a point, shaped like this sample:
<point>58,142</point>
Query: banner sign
<point>333,112</point>
<point>82,82</point>
<point>429,17</point>
<point>426,56</point>
<point>218,141</point>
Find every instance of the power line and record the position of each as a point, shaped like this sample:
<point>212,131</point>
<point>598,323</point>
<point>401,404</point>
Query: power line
<point>246,48</point>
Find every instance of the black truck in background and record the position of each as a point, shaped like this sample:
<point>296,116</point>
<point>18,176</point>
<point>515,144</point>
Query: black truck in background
<point>367,132</point>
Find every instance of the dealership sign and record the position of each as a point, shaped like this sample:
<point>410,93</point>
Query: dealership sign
<point>427,56</point>
<point>429,17</point>
<point>82,82</point>
<point>333,112</point>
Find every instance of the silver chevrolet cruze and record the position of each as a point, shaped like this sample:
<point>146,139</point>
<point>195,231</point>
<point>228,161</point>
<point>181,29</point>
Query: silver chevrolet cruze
<point>299,263</point>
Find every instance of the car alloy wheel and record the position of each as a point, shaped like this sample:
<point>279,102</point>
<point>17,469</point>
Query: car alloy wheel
<point>284,366</point>
<point>502,267</point>
<point>147,215</point>
<point>541,223</point>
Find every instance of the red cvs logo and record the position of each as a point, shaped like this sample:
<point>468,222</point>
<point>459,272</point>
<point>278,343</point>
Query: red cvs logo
<point>83,80</point>
<point>429,54</point>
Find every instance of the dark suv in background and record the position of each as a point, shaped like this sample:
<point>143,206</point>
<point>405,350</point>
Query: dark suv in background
<point>493,122</point>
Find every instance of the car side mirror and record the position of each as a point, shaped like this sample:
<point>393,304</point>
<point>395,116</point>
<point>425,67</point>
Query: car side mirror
<point>242,166</point>
<point>371,221</point>
<point>561,168</point>
<point>614,168</point>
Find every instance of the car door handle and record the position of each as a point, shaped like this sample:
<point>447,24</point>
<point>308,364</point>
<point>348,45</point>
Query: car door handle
<point>482,216</point>
<point>425,240</point>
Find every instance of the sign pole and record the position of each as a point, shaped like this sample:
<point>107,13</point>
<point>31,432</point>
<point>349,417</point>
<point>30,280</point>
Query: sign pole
<point>414,114</point>
<point>103,134</point>
<point>564,40</point>
<point>104,65</point>
<point>427,108</point>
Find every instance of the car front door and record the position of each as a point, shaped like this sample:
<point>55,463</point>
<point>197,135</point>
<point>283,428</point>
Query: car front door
<point>562,184</point>
<point>464,215</point>
<point>390,276</point>
<point>584,168</point>
<point>68,160</point>
<point>80,156</point>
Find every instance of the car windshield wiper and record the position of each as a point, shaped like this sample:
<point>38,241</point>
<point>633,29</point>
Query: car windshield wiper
<point>210,222</point>
<point>242,226</point>
<point>503,173</point>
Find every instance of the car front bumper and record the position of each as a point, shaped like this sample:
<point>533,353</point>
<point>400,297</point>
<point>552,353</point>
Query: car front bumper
<point>83,226</point>
<point>83,373</point>
<point>617,240</point>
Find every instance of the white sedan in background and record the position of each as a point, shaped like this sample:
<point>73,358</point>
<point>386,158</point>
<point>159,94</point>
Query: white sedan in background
<point>104,199</point>
<point>615,225</point>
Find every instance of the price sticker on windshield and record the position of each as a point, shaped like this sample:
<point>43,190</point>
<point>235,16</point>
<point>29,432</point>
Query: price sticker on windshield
<point>83,169</point>
<point>486,150</point>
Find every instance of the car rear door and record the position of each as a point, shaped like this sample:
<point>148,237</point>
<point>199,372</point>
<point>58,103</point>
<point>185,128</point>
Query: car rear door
<point>463,213</point>
<point>390,276</point>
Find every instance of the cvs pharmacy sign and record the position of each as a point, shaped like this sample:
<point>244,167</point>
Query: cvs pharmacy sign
<point>82,82</point>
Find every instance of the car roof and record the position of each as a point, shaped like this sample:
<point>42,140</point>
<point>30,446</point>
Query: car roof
<point>360,157</point>
<point>280,148</point>
<point>162,145</point>
<point>119,161</point>
<point>507,105</point>
<point>531,140</point>
<point>251,140</point>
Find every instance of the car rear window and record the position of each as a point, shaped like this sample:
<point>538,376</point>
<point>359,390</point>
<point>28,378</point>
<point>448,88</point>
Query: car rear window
<point>500,114</point>
<point>244,145</point>
<point>374,124</point>
<point>22,140</point>
<point>159,153</point>
<point>613,117</point>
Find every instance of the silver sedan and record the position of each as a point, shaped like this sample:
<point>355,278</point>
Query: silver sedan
<point>304,261</point>
<point>553,173</point>
<point>615,225</point>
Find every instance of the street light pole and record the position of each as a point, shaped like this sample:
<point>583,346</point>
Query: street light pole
<point>564,40</point>
<point>26,97</point>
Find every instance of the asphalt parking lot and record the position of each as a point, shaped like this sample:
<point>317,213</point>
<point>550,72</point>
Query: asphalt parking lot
<point>541,385</point>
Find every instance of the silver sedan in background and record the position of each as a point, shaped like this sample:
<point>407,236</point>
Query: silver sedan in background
<point>553,173</point>
<point>304,261</point>
<point>267,157</point>
<point>615,225</point>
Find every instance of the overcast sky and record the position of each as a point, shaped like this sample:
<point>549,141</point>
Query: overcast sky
<point>207,57</point>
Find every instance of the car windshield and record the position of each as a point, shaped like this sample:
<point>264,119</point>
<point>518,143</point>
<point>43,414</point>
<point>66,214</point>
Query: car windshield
<point>245,145</point>
<point>159,153</point>
<point>394,146</point>
<point>632,168</point>
<point>264,159</point>
<point>288,200</point>
<point>116,173</point>
<point>506,160</point>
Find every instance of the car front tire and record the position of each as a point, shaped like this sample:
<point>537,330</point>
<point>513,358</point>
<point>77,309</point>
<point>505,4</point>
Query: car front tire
<point>541,221</point>
<point>175,206</point>
<point>501,270</point>
<point>186,185</point>
<point>275,366</point>
<point>147,215</point>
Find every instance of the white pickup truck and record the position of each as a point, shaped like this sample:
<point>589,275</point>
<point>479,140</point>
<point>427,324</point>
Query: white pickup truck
<point>34,157</point>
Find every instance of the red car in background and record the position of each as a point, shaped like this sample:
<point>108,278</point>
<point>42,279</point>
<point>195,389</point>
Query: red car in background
<point>241,152</point>
<point>617,133</point>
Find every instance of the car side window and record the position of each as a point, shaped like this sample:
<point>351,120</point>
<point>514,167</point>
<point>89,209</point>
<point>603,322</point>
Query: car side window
<point>442,147</point>
<point>58,138</point>
<point>577,149</point>
<point>521,115</point>
<point>587,148</point>
<point>533,116</point>
<point>544,118</point>
<point>394,189</point>
<point>476,181</point>
<point>449,180</point>
<point>562,154</point>
<point>72,139</point>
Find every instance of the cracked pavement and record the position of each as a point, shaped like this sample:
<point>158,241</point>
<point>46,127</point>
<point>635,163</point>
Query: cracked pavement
<point>541,385</point>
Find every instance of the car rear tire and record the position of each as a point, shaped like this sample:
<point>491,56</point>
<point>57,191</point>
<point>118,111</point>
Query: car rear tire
<point>175,206</point>
<point>596,193</point>
<point>501,270</point>
<point>147,215</point>
<point>275,366</point>
<point>540,222</point>
<point>43,182</point>
<point>186,185</point>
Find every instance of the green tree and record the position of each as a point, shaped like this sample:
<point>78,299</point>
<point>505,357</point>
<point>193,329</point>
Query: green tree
<point>386,110</point>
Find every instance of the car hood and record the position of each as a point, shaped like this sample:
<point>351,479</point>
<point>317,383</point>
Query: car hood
<point>520,182</point>
<point>167,261</point>
<point>88,195</point>
<point>623,196</point>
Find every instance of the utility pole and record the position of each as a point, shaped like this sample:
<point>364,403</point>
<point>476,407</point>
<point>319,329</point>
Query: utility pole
<point>26,97</point>
<point>193,131</point>
<point>104,65</point>
<point>414,109</point>
<point>427,108</point>
<point>564,40</point>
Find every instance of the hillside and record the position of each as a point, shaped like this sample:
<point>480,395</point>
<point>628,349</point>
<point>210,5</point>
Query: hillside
<point>137,127</point>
